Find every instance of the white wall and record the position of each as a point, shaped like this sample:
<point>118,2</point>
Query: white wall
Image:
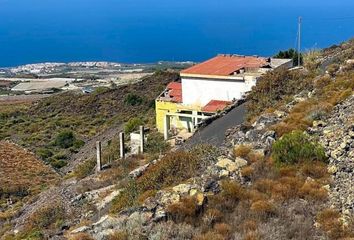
<point>201,91</point>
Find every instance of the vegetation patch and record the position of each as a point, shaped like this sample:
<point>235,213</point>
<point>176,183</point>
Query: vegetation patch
<point>297,147</point>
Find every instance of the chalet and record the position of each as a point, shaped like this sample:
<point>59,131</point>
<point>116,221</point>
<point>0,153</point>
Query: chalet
<point>209,87</point>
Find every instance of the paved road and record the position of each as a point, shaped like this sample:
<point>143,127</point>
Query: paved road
<point>214,133</point>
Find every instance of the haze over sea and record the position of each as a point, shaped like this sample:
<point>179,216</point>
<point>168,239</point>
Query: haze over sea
<point>133,31</point>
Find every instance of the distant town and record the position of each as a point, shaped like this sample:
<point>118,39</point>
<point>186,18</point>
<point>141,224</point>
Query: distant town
<point>46,78</point>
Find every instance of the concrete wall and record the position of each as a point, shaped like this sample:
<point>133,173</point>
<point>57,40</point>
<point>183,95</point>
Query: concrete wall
<point>201,91</point>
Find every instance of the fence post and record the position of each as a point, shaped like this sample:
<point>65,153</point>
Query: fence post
<point>121,145</point>
<point>99,156</point>
<point>142,139</point>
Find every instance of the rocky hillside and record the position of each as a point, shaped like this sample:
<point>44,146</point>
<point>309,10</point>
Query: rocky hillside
<point>286,173</point>
<point>79,118</point>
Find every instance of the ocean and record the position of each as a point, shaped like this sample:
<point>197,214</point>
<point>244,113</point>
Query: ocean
<point>141,31</point>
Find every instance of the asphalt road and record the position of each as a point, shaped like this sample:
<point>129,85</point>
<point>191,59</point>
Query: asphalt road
<point>214,133</point>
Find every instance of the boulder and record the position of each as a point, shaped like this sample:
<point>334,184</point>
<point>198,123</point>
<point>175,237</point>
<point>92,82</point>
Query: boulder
<point>182,188</point>
<point>240,162</point>
<point>166,198</point>
<point>319,123</point>
<point>227,164</point>
<point>139,171</point>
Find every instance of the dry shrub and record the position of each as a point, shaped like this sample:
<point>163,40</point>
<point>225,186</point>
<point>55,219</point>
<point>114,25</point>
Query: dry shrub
<point>251,236</point>
<point>119,235</point>
<point>184,211</point>
<point>242,151</point>
<point>249,225</point>
<point>254,157</point>
<point>282,128</point>
<point>264,185</point>
<point>147,194</point>
<point>313,191</point>
<point>254,195</point>
<point>315,170</point>
<point>233,191</point>
<point>263,208</point>
<point>175,167</point>
<point>223,229</point>
<point>287,171</point>
<point>81,236</point>
<point>247,171</point>
<point>209,236</point>
<point>339,97</point>
<point>212,216</point>
<point>330,222</point>
<point>50,216</point>
<point>297,119</point>
<point>322,82</point>
<point>286,188</point>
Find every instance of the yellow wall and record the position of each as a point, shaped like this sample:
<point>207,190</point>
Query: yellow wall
<point>163,107</point>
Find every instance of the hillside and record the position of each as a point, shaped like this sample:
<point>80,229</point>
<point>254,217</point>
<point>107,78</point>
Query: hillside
<point>37,126</point>
<point>22,176</point>
<point>285,173</point>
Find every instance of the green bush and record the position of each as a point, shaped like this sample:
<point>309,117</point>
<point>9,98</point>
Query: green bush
<point>296,147</point>
<point>65,139</point>
<point>133,99</point>
<point>132,124</point>
<point>290,54</point>
<point>58,163</point>
<point>85,169</point>
<point>156,144</point>
<point>44,153</point>
<point>78,144</point>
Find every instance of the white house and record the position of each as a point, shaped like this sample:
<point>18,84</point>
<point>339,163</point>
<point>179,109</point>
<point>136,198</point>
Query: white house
<point>225,77</point>
<point>207,88</point>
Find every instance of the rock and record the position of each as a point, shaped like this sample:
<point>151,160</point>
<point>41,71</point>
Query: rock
<point>279,114</point>
<point>351,134</point>
<point>344,145</point>
<point>211,185</point>
<point>264,121</point>
<point>332,169</point>
<point>224,173</point>
<point>319,124</point>
<point>240,162</point>
<point>200,199</point>
<point>253,135</point>
<point>80,230</point>
<point>160,215</point>
<point>167,198</point>
<point>139,171</point>
<point>182,188</point>
<point>108,199</point>
<point>227,164</point>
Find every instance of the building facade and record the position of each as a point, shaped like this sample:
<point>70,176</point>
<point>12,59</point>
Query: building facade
<point>209,87</point>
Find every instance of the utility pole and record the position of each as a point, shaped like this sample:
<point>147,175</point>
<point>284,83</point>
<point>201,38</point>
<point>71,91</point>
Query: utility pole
<point>299,44</point>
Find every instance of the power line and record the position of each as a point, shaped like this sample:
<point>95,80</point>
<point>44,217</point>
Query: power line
<point>299,43</point>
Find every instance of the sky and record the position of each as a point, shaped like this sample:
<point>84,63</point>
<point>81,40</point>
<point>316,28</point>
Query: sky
<point>136,31</point>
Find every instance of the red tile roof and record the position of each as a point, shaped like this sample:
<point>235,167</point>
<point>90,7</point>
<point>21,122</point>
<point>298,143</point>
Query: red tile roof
<point>175,85</point>
<point>215,105</point>
<point>175,91</point>
<point>225,65</point>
